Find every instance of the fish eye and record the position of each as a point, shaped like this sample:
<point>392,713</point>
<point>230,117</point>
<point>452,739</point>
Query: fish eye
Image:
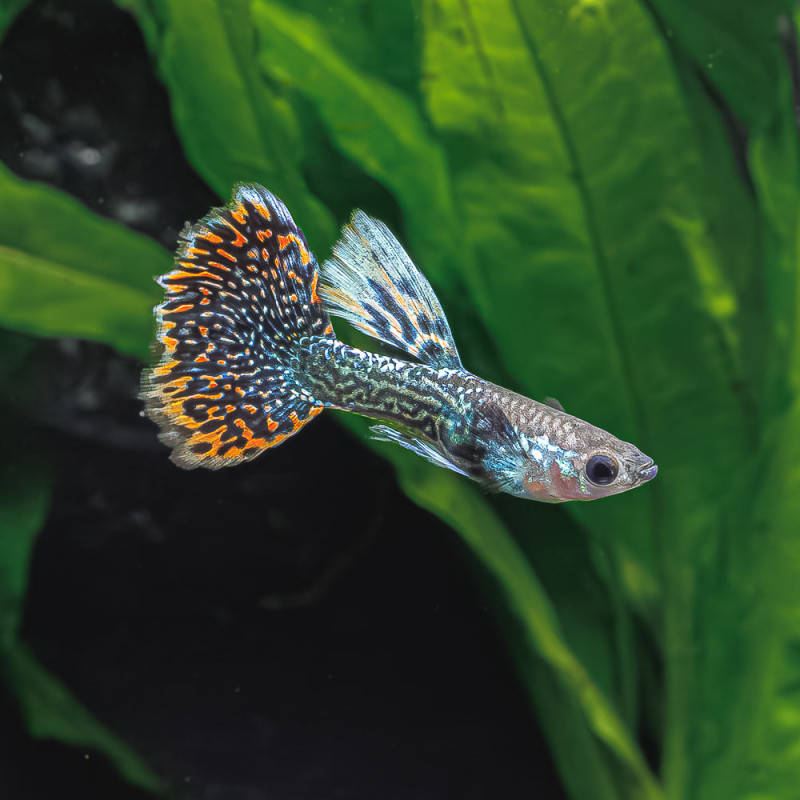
<point>601,470</point>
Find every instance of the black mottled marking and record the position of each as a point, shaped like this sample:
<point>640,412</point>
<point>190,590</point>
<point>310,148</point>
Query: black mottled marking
<point>424,326</point>
<point>398,312</point>
<point>430,351</point>
<point>407,288</point>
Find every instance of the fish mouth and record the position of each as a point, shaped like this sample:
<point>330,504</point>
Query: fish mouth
<point>648,471</point>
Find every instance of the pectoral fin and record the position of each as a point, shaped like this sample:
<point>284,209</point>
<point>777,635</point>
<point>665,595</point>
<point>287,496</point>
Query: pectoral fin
<point>383,433</point>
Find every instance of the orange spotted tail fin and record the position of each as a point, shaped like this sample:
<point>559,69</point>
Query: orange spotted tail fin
<point>240,301</point>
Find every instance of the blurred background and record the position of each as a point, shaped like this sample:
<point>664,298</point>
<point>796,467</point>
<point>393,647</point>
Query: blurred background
<point>605,195</point>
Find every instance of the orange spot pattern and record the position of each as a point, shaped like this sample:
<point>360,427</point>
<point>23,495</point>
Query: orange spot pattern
<point>229,410</point>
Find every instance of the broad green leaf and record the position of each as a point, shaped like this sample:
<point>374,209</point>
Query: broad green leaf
<point>749,610</point>
<point>47,224</point>
<point>233,125</point>
<point>66,272</point>
<point>372,123</point>
<point>380,39</point>
<point>44,298</point>
<point>745,56</point>
<point>728,245</point>
<point>766,737</point>
<point>736,46</point>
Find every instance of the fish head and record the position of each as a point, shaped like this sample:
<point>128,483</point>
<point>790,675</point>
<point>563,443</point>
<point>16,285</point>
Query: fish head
<point>573,460</point>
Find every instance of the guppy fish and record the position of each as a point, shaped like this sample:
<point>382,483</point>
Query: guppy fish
<point>248,356</point>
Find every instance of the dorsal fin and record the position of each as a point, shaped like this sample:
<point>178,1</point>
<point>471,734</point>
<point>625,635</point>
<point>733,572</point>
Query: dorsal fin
<point>373,284</point>
<point>553,403</point>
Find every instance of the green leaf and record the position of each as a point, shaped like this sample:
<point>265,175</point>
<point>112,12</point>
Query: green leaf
<point>761,761</point>
<point>597,287</point>
<point>44,298</point>
<point>51,711</point>
<point>24,500</point>
<point>747,605</point>
<point>47,706</point>
<point>742,59</point>
<point>45,223</point>
<point>234,126</point>
<point>370,122</point>
<point>66,272</point>
<point>735,46</point>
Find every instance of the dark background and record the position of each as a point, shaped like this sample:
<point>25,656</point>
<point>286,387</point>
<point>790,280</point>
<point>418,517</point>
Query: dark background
<point>293,628</point>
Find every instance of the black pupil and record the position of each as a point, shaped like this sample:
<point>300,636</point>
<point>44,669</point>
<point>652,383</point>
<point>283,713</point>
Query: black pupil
<point>601,470</point>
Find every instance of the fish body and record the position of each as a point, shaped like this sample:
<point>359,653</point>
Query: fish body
<point>247,356</point>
